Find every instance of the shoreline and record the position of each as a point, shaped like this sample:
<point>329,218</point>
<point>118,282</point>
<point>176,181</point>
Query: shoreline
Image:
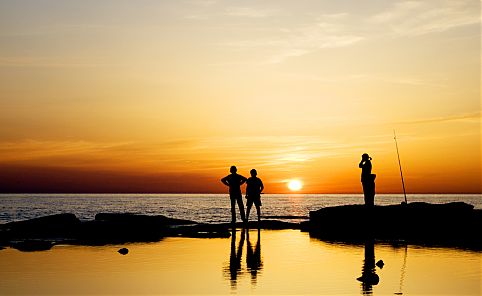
<point>451,224</point>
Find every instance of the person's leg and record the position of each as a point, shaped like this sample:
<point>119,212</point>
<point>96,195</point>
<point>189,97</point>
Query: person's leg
<point>233,210</point>
<point>258,209</point>
<point>371,194</point>
<point>249,204</point>
<point>241,207</point>
<point>365,193</point>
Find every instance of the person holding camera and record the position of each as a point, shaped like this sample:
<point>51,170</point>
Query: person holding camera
<point>367,180</point>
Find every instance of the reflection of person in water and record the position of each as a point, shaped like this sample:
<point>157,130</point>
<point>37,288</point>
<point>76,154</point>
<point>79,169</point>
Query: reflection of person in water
<point>254,187</point>
<point>235,258</point>
<point>369,278</point>
<point>368,180</point>
<point>234,182</point>
<point>253,258</point>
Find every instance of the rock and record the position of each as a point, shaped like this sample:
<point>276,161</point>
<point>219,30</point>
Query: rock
<point>117,228</point>
<point>380,263</point>
<point>123,251</point>
<point>44,227</point>
<point>158,220</point>
<point>32,245</point>
<point>455,224</point>
<point>2,248</point>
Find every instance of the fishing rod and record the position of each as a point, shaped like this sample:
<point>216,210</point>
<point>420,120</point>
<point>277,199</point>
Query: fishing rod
<point>400,166</point>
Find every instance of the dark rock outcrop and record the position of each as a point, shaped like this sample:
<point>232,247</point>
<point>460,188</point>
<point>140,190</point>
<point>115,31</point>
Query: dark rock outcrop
<point>123,251</point>
<point>32,245</point>
<point>455,224</point>
<point>59,225</point>
<point>107,228</point>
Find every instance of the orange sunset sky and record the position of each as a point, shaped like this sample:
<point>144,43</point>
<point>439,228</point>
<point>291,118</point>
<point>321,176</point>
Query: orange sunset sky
<point>164,96</point>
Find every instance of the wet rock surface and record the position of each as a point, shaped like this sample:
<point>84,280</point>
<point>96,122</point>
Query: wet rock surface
<point>114,228</point>
<point>451,224</point>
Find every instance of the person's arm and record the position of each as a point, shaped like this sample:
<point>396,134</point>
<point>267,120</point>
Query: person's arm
<point>261,186</point>
<point>361,163</point>
<point>242,180</point>
<point>225,181</point>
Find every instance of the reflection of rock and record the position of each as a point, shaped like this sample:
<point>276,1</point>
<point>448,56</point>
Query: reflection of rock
<point>454,223</point>
<point>32,245</point>
<point>123,251</point>
<point>380,263</point>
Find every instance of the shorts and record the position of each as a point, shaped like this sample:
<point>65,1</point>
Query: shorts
<point>255,200</point>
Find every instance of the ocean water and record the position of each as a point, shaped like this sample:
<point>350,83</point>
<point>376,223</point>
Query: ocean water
<point>210,208</point>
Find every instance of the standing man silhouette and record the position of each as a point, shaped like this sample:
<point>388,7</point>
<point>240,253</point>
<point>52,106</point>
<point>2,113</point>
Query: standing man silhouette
<point>368,180</point>
<point>234,182</point>
<point>254,187</point>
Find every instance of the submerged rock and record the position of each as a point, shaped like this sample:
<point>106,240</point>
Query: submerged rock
<point>123,251</point>
<point>380,263</point>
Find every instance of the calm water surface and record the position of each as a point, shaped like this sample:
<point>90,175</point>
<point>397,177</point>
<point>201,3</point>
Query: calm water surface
<point>197,207</point>
<point>259,263</point>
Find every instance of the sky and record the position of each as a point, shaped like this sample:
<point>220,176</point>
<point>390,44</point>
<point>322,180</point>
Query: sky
<point>164,96</point>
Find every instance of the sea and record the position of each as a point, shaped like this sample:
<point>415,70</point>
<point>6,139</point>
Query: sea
<point>206,208</point>
<point>250,262</point>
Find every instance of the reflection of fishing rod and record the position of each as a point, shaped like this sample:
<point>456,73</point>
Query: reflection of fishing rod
<point>400,165</point>
<point>402,272</point>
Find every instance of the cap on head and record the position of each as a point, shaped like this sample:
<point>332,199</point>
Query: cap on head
<point>233,169</point>
<point>253,172</point>
<point>365,155</point>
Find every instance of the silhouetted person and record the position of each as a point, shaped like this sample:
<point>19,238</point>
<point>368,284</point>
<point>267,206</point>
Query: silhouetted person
<point>369,278</point>
<point>254,187</point>
<point>235,258</point>
<point>253,257</point>
<point>367,180</point>
<point>234,182</point>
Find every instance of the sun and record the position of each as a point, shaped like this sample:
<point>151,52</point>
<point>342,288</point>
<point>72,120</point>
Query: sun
<point>295,185</point>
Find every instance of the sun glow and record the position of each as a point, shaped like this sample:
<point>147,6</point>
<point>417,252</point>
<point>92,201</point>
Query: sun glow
<point>295,185</point>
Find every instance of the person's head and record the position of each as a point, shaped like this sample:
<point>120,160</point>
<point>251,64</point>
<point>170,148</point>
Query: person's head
<point>365,156</point>
<point>233,169</point>
<point>253,173</point>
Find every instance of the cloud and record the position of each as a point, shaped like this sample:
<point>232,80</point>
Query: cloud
<point>470,117</point>
<point>413,18</point>
<point>326,32</point>
<point>180,155</point>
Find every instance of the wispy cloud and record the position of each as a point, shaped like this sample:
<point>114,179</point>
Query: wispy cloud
<point>191,154</point>
<point>472,117</point>
<point>423,17</point>
<point>326,32</point>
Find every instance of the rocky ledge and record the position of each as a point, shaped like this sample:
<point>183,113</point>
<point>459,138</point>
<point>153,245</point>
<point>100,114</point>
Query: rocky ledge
<point>452,224</point>
<point>113,228</point>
